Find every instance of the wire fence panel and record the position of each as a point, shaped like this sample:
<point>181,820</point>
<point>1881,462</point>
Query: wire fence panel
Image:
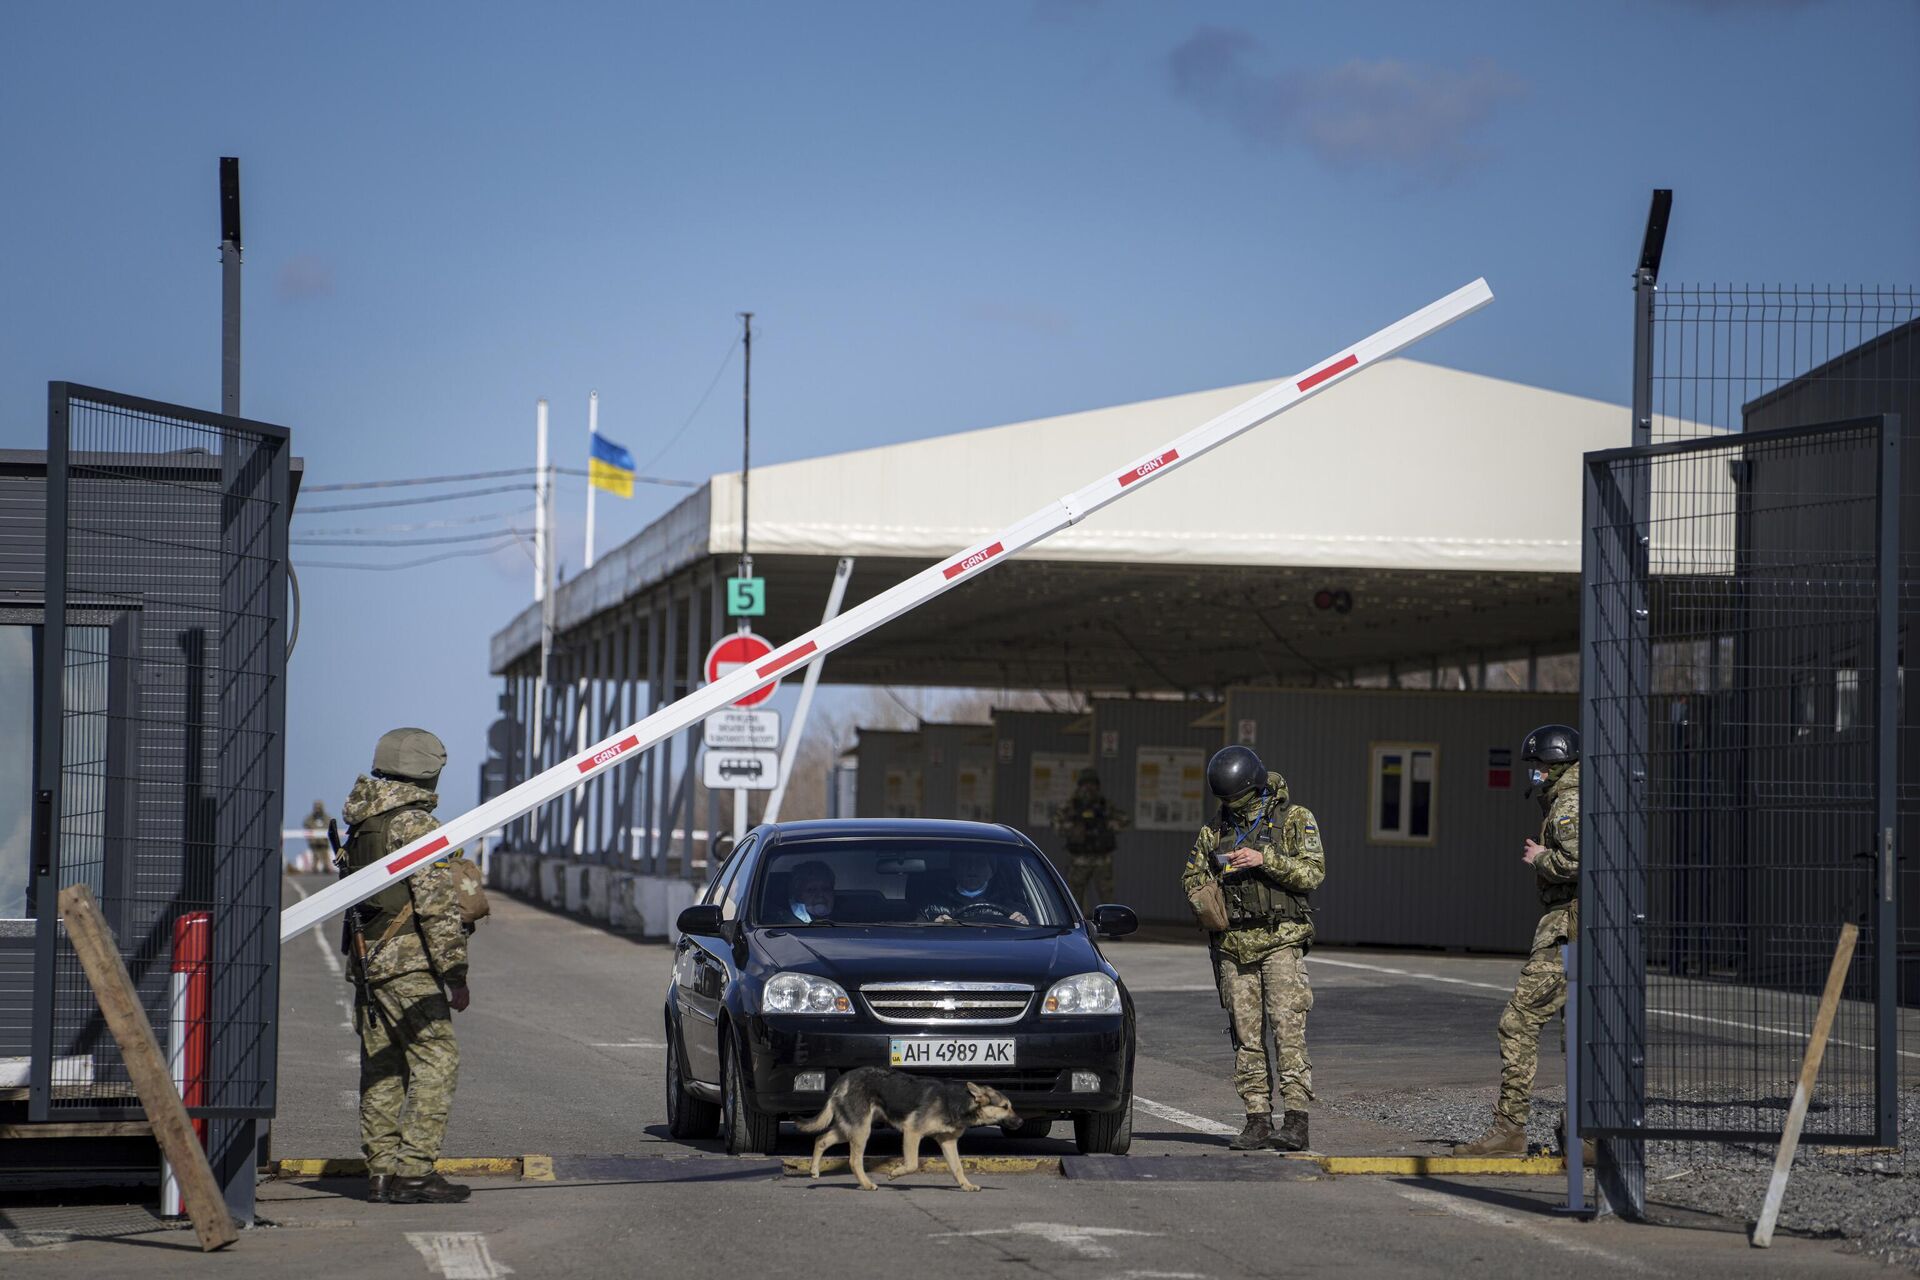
<point>1735,802</point>
<point>163,714</point>
<point>1756,357</point>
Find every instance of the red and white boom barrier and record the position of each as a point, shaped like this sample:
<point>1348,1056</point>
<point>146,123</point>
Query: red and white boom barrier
<point>883,608</point>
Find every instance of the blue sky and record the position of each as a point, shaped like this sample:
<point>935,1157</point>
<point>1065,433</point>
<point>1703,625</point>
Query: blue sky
<point>945,216</point>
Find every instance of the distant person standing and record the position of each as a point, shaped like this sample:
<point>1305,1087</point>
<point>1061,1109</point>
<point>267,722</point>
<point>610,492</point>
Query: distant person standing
<point>319,852</point>
<point>415,976</point>
<point>1551,757</point>
<point>1248,879</point>
<point>1089,826</point>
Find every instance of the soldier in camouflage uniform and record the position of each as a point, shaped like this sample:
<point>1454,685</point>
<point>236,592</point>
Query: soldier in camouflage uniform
<point>1551,757</point>
<point>415,976</point>
<point>1087,825</point>
<point>1265,854</point>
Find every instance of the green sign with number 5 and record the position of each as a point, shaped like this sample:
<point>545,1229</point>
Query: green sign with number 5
<point>746,597</point>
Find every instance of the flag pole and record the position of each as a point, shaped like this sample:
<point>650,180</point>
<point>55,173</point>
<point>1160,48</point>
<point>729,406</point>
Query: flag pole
<point>593,429</point>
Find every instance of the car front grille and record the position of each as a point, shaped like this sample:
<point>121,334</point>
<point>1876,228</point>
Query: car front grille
<point>948,1004</point>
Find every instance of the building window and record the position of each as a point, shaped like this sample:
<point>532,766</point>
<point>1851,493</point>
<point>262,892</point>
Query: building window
<point>1404,789</point>
<point>17,688</point>
<point>1846,699</point>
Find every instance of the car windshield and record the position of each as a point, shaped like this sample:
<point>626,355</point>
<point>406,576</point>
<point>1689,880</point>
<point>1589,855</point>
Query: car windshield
<point>908,884</point>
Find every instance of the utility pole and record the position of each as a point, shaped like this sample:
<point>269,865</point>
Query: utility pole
<point>230,285</point>
<point>593,430</point>
<point>746,443</point>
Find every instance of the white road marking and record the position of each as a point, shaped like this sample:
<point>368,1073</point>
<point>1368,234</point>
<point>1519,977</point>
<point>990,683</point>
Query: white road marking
<point>630,1044</point>
<point>1164,1275</point>
<point>1408,973</point>
<point>350,1098</point>
<point>1199,1124</point>
<point>458,1255</point>
<point>1487,1216</point>
<point>1786,1032</point>
<point>333,963</point>
<point>1084,1241</point>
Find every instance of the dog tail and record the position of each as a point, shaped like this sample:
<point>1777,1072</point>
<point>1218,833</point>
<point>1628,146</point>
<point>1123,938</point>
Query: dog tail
<point>819,1122</point>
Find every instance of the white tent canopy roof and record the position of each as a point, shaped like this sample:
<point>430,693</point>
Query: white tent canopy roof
<point>1408,474</point>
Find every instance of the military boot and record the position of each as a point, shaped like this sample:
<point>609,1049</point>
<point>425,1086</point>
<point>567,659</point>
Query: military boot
<point>1588,1155</point>
<point>431,1189</point>
<point>1505,1138</point>
<point>1292,1133</point>
<point>1254,1136</point>
<point>379,1187</point>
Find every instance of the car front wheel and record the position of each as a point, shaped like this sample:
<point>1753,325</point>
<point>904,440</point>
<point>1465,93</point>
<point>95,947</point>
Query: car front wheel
<point>746,1129</point>
<point>1104,1133</point>
<point>687,1116</point>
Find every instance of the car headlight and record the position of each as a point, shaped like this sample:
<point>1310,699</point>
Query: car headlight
<point>1084,993</point>
<point>803,993</point>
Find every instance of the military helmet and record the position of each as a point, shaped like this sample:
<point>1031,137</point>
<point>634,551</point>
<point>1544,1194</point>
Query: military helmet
<point>1552,744</point>
<point>1234,770</point>
<point>412,754</point>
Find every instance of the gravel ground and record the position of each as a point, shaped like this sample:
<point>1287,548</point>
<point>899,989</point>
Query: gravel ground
<point>1871,1198</point>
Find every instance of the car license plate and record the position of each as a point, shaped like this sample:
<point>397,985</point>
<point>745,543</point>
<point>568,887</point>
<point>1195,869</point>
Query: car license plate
<point>946,1052</point>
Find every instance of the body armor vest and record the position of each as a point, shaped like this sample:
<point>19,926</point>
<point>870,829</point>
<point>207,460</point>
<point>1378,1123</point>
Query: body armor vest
<point>1253,900</point>
<point>367,843</point>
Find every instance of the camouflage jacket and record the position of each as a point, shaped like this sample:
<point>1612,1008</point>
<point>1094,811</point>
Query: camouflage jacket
<point>1294,858</point>
<point>1087,825</point>
<point>1559,867</point>
<point>432,940</point>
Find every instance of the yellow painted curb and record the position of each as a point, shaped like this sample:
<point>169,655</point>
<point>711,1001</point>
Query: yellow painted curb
<point>801,1166</point>
<point>536,1169</point>
<point>1415,1165</point>
<point>471,1166</point>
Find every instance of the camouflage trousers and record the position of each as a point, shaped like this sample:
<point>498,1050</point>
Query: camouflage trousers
<point>1271,993</point>
<point>1537,996</point>
<point>1090,876</point>
<point>409,1065</point>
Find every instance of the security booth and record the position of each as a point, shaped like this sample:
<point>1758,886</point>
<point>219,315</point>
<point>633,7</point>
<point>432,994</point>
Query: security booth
<point>1037,756</point>
<point>890,774</point>
<point>957,771</point>
<point>1421,804</point>
<point>143,647</point>
<point>1152,756</point>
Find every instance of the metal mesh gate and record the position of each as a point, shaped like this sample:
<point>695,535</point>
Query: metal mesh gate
<point>1740,634</point>
<point>160,754</point>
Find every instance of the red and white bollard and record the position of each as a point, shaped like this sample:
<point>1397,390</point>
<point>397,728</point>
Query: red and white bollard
<point>188,1032</point>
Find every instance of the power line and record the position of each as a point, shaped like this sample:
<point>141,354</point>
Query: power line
<point>420,524</point>
<point>410,502</point>
<point>404,542</point>
<point>405,564</point>
<point>725,360</point>
<point>389,484</point>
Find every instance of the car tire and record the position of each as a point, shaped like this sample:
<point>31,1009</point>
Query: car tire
<point>1037,1127</point>
<point>687,1116</point>
<point>1104,1133</point>
<point>747,1130</point>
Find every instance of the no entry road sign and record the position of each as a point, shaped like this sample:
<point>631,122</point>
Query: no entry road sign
<point>730,653</point>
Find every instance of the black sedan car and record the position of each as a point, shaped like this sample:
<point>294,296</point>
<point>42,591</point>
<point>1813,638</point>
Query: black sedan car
<point>952,948</point>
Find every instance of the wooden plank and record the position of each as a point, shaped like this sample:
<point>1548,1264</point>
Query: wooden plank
<point>85,1129</point>
<point>127,1020</point>
<point>1803,1090</point>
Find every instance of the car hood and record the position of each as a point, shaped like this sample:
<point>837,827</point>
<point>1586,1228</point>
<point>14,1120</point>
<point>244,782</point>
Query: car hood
<point>852,955</point>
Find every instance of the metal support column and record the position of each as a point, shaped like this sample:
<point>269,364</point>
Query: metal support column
<point>1886,735</point>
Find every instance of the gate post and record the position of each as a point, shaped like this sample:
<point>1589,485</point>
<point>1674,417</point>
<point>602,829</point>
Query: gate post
<point>1886,736</point>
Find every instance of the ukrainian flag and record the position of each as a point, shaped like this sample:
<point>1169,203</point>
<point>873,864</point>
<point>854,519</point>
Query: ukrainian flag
<point>610,467</point>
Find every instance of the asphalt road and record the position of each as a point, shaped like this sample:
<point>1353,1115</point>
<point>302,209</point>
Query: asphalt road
<point>561,1055</point>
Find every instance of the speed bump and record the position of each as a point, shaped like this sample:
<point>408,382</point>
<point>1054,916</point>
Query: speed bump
<point>1415,1166</point>
<point>470,1166</point>
<point>802,1166</point>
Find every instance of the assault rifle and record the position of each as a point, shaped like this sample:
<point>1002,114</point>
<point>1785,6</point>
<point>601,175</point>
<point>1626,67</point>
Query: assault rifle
<point>353,938</point>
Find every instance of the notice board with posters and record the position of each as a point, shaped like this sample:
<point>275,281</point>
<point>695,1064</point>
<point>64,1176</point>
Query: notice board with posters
<point>1169,788</point>
<point>1051,779</point>
<point>902,798</point>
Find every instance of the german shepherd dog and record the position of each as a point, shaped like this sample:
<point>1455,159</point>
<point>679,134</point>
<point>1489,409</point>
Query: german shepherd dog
<point>918,1106</point>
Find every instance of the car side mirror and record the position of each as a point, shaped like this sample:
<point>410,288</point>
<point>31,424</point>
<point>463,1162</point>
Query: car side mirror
<point>1113,921</point>
<point>702,918</point>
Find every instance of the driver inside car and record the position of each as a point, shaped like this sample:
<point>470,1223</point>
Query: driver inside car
<point>809,895</point>
<point>972,895</point>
